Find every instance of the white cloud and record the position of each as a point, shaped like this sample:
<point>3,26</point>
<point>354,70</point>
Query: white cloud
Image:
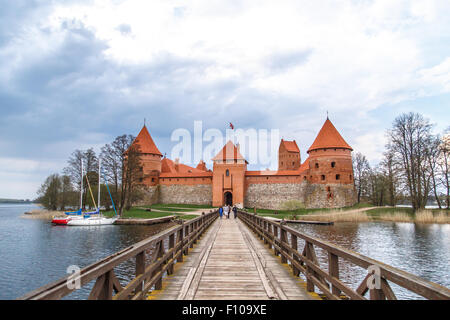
<point>266,63</point>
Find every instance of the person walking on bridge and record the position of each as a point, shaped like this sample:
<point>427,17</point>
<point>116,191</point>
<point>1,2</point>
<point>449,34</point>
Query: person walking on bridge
<point>226,211</point>
<point>235,212</point>
<point>220,212</point>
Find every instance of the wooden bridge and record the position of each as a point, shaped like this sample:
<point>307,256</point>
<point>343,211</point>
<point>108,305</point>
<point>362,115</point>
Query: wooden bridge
<point>250,258</point>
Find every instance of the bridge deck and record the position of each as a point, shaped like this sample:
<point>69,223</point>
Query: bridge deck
<point>230,263</point>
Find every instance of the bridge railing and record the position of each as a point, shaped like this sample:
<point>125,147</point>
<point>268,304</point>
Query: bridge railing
<point>152,261</point>
<point>284,241</point>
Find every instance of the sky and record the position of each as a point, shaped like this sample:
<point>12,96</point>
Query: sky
<point>76,74</point>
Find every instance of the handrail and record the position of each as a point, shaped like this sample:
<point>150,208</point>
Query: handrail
<point>147,275</point>
<point>275,235</point>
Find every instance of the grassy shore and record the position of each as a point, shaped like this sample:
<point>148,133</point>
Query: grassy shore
<point>360,213</point>
<point>158,210</point>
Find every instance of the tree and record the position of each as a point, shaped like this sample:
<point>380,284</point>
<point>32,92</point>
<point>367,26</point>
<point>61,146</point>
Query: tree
<point>90,165</point>
<point>444,165</point>
<point>132,174</point>
<point>409,139</point>
<point>122,168</point>
<point>389,170</point>
<point>49,192</point>
<point>361,169</point>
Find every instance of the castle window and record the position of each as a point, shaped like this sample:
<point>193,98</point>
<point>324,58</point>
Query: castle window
<point>153,179</point>
<point>338,176</point>
<point>304,178</point>
<point>333,164</point>
<point>323,177</point>
<point>140,179</point>
<point>293,163</point>
<point>350,177</point>
<point>317,166</point>
<point>227,172</point>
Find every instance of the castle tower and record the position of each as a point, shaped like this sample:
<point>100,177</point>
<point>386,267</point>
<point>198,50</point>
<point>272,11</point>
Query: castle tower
<point>229,176</point>
<point>288,155</point>
<point>330,166</point>
<point>330,159</point>
<point>150,157</point>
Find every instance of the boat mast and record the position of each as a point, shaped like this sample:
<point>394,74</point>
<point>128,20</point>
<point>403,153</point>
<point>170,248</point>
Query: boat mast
<point>99,185</point>
<point>81,188</point>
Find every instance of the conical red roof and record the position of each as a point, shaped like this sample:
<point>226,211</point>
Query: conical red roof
<point>229,152</point>
<point>329,137</point>
<point>145,142</point>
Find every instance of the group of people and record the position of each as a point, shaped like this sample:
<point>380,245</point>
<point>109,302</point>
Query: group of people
<point>226,210</point>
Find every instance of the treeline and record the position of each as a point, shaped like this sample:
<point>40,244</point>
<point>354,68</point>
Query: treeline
<point>121,170</point>
<point>414,168</point>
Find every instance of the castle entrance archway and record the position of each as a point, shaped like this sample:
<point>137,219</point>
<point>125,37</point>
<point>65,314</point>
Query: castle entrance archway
<point>228,198</point>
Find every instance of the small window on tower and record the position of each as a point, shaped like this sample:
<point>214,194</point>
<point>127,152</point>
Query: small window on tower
<point>323,177</point>
<point>227,172</point>
<point>317,166</point>
<point>338,177</point>
<point>333,164</point>
<point>350,177</point>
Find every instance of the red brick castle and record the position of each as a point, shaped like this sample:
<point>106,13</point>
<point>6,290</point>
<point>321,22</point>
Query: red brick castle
<point>323,180</point>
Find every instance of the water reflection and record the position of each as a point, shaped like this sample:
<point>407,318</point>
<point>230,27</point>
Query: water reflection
<point>421,249</point>
<point>34,253</point>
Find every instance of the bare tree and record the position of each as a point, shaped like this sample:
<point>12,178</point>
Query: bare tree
<point>73,170</point>
<point>409,139</point>
<point>122,167</point>
<point>361,169</point>
<point>444,165</point>
<point>389,170</point>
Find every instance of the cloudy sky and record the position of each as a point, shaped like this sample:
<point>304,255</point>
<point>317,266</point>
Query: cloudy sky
<point>76,74</point>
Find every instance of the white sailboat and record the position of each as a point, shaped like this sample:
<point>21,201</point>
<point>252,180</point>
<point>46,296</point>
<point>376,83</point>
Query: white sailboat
<point>96,220</point>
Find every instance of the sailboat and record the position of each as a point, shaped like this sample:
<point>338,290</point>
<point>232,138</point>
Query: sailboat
<point>74,214</point>
<point>98,219</point>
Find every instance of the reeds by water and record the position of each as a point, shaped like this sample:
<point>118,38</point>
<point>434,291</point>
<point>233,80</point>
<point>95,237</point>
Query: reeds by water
<point>337,216</point>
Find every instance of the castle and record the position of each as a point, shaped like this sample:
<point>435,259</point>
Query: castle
<point>323,180</point>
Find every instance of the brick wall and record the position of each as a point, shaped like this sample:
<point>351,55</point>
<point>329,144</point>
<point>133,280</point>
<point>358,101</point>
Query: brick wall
<point>187,194</point>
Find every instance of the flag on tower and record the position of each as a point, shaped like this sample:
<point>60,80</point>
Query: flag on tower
<point>231,126</point>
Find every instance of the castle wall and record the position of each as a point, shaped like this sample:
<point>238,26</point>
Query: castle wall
<point>273,195</point>
<point>329,196</point>
<point>186,194</point>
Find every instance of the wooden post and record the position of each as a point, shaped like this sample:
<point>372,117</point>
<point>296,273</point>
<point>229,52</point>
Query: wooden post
<point>294,245</point>
<point>265,232</point>
<point>140,269</point>
<point>333,269</point>
<point>180,242</point>
<point>283,236</point>
<point>171,246</point>
<point>270,232</point>
<point>160,253</point>
<point>309,271</point>
<point>275,237</point>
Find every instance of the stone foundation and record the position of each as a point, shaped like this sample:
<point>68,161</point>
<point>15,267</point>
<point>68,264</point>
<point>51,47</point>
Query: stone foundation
<point>337,196</point>
<point>273,195</point>
<point>186,194</point>
<point>266,196</point>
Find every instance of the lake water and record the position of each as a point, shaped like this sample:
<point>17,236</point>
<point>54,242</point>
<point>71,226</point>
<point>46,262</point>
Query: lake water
<point>34,253</point>
<point>421,249</point>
